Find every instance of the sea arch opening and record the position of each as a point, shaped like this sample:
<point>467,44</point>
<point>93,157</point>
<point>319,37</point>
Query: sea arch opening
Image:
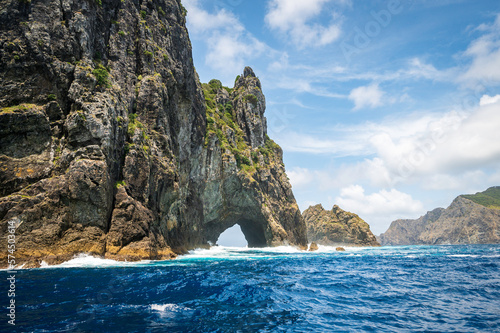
<point>232,237</point>
<point>243,232</point>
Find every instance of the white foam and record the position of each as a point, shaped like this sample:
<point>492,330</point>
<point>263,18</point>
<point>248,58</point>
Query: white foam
<point>168,307</point>
<point>85,260</point>
<point>226,252</point>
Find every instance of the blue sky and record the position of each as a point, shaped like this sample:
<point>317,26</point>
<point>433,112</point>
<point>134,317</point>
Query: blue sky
<point>386,108</point>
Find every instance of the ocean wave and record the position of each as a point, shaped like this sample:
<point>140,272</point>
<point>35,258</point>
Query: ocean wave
<point>463,255</point>
<point>169,307</point>
<point>88,261</point>
<point>245,253</point>
<point>235,252</point>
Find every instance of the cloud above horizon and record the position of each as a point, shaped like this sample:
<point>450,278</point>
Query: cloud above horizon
<point>380,207</point>
<point>484,53</point>
<point>367,96</point>
<point>229,44</point>
<point>412,146</point>
<point>293,19</point>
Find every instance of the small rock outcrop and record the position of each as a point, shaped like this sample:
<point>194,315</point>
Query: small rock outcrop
<point>109,145</point>
<point>313,247</point>
<point>470,219</point>
<point>337,227</point>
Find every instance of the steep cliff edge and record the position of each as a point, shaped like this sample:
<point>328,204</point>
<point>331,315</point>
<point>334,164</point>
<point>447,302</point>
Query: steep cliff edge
<point>245,176</point>
<point>470,219</point>
<point>104,143</point>
<point>337,227</point>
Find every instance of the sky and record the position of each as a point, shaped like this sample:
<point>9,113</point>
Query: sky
<point>388,109</point>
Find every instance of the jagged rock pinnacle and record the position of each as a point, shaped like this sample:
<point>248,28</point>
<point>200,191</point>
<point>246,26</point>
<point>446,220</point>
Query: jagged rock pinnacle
<point>248,71</point>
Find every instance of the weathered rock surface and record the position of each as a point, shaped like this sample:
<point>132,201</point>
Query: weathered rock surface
<point>337,227</point>
<point>313,247</point>
<point>463,222</point>
<point>245,177</point>
<point>104,146</point>
<point>407,231</point>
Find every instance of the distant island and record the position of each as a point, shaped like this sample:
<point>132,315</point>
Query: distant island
<point>337,227</point>
<point>470,219</point>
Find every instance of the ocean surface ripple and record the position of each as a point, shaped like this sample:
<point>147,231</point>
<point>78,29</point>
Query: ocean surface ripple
<point>387,289</point>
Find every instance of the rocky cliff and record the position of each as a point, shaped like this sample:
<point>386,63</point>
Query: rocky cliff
<point>465,221</point>
<point>337,227</point>
<point>109,144</point>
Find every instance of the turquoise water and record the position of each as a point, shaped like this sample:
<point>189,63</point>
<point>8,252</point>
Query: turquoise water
<point>388,289</point>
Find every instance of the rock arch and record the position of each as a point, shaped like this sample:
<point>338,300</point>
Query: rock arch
<point>254,231</point>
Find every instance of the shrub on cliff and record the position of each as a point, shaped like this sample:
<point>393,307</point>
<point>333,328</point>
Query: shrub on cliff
<point>102,75</point>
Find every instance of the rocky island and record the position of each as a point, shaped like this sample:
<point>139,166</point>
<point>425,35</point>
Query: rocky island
<point>110,145</point>
<point>337,227</point>
<point>470,219</point>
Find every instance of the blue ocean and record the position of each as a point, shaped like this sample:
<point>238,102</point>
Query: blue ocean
<point>387,289</point>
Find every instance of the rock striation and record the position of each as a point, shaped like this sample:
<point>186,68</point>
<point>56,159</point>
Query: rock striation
<point>470,219</point>
<point>337,227</point>
<point>109,144</point>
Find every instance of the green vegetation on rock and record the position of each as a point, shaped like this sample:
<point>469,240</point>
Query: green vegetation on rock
<point>221,122</point>
<point>133,124</point>
<point>489,198</point>
<point>183,10</point>
<point>252,99</point>
<point>120,183</point>
<point>102,75</point>
<point>17,108</point>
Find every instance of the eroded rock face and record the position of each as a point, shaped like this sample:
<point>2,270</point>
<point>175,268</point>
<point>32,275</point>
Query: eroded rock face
<point>337,227</point>
<point>103,140</point>
<point>463,222</point>
<point>246,183</point>
<point>407,231</point>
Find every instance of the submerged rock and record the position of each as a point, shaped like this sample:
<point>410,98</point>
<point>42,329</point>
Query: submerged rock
<point>337,227</point>
<point>106,147</point>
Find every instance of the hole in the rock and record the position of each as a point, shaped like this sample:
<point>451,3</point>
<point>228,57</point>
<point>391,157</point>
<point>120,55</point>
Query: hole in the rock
<point>232,237</point>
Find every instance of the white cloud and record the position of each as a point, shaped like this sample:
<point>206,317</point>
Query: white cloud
<point>300,177</point>
<point>469,179</point>
<point>227,53</point>
<point>366,96</point>
<point>419,69</point>
<point>485,100</point>
<point>473,144</point>
<point>292,17</point>
<point>379,208</point>
<point>433,150</point>
<point>305,143</point>
<point>485,55</point>
<point>200,21</point>
<point>229,45</point>
<point>494,179</point>
<point>453,144</point>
